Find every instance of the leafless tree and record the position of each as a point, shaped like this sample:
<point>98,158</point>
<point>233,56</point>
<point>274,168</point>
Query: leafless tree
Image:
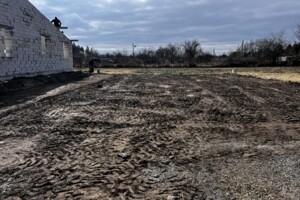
<point>272,47</point>
<point>162,54</point>
<point>246,48</point>
<point>169,54</point>
<point>297,32</point>
<point>173,52</point>
<point>147,55</point>
<point>191,49</point>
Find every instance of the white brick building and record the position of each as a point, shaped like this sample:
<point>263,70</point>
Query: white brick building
<point>29,44</point>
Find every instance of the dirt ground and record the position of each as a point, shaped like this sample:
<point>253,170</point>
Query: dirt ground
<point>154,137</point>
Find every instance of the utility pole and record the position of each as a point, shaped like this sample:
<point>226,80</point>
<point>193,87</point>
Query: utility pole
<point>133,47</point>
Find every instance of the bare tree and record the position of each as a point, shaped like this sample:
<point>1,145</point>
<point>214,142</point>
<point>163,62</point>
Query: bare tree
<point>297,32</point>
<point>169,54</point>
<point>269,49</point>
<point>173,52</point>
<point>147,55</point>
<point>246,48</point>
<point>162,54</point>
<point>191,49</point>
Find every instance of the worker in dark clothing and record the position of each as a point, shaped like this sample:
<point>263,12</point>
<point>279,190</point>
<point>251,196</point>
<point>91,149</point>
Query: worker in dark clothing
<point>91,65</point>
<point>56,22</point>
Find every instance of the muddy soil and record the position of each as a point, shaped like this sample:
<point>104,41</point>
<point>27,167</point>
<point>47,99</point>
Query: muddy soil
<point>154,137</point>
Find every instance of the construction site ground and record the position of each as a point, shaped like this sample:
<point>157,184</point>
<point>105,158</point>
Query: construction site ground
<point>152,136</point>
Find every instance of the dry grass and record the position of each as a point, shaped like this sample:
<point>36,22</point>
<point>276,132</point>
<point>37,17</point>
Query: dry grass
<point>293,77</point>
<point>118,71</point>
<point>278,73</point>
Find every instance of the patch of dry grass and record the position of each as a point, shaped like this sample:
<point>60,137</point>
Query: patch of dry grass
<point>278,73</point>
<point>118,71</point>
<point>293,77</point>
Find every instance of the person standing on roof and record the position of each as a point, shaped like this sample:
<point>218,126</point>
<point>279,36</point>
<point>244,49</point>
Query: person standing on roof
<point>56,22</point>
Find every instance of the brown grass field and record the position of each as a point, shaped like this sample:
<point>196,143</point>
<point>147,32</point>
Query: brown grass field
<point>279,73</point>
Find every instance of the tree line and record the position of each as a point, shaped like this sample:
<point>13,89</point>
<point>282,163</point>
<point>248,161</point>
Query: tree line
<point>269,51</point>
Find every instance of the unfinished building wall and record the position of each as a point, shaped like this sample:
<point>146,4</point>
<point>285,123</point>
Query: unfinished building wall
<point>29,44</point>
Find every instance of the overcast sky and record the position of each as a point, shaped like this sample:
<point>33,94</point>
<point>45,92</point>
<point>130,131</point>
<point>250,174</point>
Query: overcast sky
<point>113,25</point>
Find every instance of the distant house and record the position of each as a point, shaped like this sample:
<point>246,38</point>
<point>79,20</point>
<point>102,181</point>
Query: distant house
<point>286,60</point>
<point>29,44</point>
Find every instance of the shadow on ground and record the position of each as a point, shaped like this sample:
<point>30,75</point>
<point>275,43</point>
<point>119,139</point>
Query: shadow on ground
<point>20,90</point>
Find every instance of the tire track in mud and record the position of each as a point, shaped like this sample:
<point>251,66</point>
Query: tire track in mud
<point>146,137</point>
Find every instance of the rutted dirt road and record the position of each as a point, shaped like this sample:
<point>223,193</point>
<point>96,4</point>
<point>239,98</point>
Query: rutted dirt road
<point>155,137</point>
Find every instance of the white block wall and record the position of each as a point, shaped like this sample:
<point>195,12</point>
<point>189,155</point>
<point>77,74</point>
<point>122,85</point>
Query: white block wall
<point>27,26</point>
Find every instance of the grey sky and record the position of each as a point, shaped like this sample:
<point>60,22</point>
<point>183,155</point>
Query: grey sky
<point>112,25</point>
